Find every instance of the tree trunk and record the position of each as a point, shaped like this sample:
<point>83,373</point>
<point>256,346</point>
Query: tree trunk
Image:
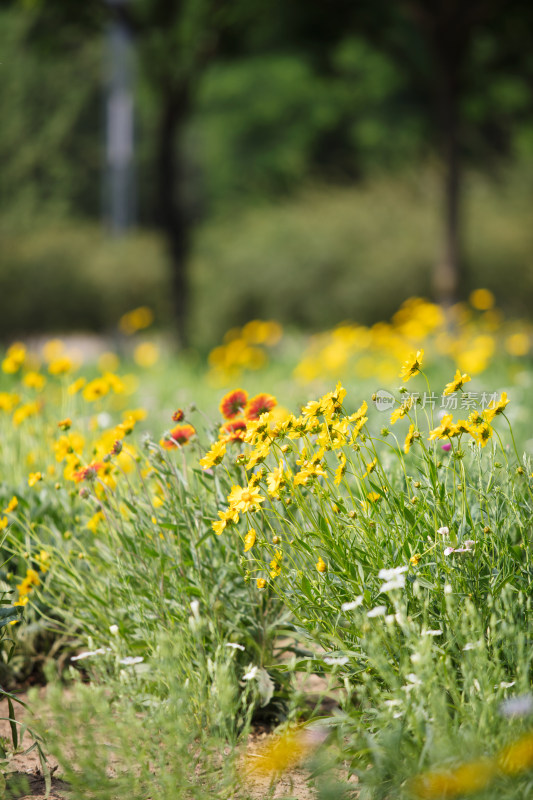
<point>447,276</point>
<point>173,213</point>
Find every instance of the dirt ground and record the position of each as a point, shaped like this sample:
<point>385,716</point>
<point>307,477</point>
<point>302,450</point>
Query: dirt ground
<point>26,781</point>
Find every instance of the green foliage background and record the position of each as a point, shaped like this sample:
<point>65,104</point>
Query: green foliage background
<point>310,184</point>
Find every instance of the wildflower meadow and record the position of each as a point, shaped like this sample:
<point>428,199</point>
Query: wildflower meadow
<point>302,568</point>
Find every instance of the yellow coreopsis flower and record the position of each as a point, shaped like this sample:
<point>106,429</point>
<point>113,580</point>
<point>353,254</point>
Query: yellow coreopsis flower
<point>496,407</point>
<point>457,383</point>
<point>275,480</point>
<point>11,506</point>
<point>321,565</point>
<point>214,455</point>
<point>75,387</point>
<point>409,439</point>
<point>481,433</point>
<point>444,430</point>
<point>249,540</point>
<point>226,518</point>
<point>34,477</point>
<point>60,365</point>
<point>370,467</point>
<point>341,469</point>
<point>244,499</point>
<point>412,365</point>
<point>34,380</point>
<point>96,389</point>
<point>402,410</point>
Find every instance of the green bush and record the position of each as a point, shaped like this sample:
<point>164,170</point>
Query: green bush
<point>74,277</point>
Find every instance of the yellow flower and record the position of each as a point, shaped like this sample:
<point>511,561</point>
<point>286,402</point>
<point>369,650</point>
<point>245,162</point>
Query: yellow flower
<point>15,357</point>
<point>496,408</point>
<point>402,410</point>
<point>444,430</point>
<point>34,380</point>
<point>226,518</point>
<point>245,499</point>
<point>71,443</point>
<point>283,752</point>
<point>24,411</point>
<point>8,401</point>
<point>258,455</point>
<point>43,559</point>
<point>321,565</point>
<point>409,439</point>
<point>275,564</point>
<point>370,467</point>
<point>275,480</point>
<point>482,299</point>
<point>3,523</point>
<point>11,506</point>
<point>249,540</point>
<point>442,784</point>
<point>341,469</point>
<point>60,366</point>
<point>146,354</point>
<point>261,583</point>
<point>95,521</point>
<point>457,383</point>
<point>136,320</point>
<point>517,757</point>
<point>481,433</point>
<point>33,478</point>
<point>215,455</point>
<point>96,389</point>
<point>412,365</point>
<point>415,559</point>
<point>75,387</point>
<point>374,497</point>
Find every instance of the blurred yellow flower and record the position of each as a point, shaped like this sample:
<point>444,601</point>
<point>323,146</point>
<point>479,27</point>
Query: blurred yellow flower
<point>60,366</point>
<point>96,389</point>
<point>34,380</point>
<point>34,477</point>
<point>75,387</point>
<point>146,354</point>
<point>482,299</point>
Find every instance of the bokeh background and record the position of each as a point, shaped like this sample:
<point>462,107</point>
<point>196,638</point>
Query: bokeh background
<point>217,161</point>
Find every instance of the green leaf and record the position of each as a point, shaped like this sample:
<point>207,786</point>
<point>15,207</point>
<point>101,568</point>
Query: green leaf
<point>10,614</point>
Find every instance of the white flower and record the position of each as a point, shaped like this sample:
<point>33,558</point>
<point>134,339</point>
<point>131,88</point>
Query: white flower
<point>432,633</point>
<point>471,646</point>
<point>378,611</point>
<point>396,583</point>
<point>520,706</point>
<point>352,604</point>
<point>449,550</point>
<point>336,660</point>
<point>113,630</point>
<point>414,679</point>
<point>389,574</point>
<point>505,685</point>
<point>250,675</point>
<point>234,645</point>
<point>195,608</point>
<point>130,660</point>
<point>88,653</point>
<point>444,531</point>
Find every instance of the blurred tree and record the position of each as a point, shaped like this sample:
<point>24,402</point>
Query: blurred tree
<point>451,53</point>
